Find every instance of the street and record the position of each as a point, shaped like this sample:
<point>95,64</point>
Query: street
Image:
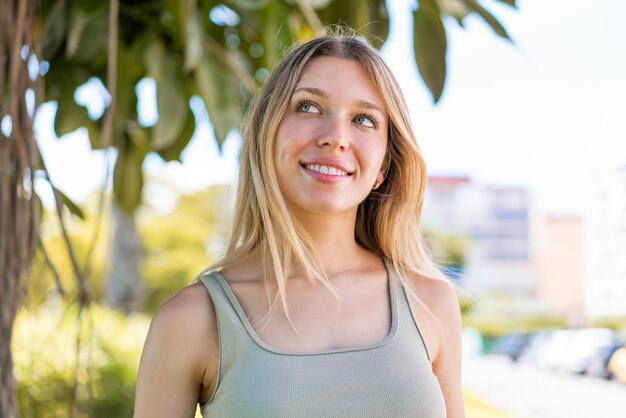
<point>525,391</point>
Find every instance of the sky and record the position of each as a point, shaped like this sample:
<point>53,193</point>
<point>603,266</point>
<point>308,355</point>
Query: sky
<point>546,112</point>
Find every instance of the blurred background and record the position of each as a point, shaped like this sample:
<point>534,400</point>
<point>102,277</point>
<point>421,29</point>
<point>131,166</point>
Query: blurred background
<point>519,108</point>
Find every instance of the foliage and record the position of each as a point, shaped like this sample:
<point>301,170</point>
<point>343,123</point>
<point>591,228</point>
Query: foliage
<point>180,244</point>
<point>491,326</point>
<point>496,315</point>
<point>205,48</point>
<point>99,349</point>
<point>176,246</point>
<point>617,323</point>
<point>21,86</point>
<point>447,249</point>
<point>195,48</point>
<point>41,283</point>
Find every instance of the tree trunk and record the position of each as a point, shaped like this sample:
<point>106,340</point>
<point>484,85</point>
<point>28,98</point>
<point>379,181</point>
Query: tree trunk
<point>19,208</point>
<point>8,404</point>
<point>125,287</point>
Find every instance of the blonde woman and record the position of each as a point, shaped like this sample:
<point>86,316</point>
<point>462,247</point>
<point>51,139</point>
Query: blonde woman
<point>326,303</point>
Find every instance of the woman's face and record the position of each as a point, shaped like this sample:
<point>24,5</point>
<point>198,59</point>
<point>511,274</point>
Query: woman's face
<point>331,142</point>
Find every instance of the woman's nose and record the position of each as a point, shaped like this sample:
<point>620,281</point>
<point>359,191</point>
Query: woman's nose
<point>335,135</point>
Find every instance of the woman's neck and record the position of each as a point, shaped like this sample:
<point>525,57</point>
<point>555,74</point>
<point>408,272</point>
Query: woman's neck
<point>334,241</point>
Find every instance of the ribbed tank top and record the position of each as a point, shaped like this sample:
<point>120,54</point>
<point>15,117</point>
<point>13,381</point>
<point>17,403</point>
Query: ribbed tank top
<point>391,378</point>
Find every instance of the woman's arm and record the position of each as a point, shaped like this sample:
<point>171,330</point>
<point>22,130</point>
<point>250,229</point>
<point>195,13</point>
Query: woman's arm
<point>447,363</point>
<point>180,356</point>
<point>436,309</point>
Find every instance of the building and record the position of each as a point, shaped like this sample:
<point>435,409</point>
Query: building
<point>496,219</point>
<point>557,255</point>
<point>605,246</point>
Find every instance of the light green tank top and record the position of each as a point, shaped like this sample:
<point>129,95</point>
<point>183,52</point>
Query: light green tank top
<point>391,378</point>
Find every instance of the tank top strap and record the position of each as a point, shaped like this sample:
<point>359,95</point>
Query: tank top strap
<point>231,330</point>
<point>407,323</point>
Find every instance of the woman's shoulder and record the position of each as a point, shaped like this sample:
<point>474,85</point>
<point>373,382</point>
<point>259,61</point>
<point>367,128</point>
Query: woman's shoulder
<point>190,311</point>
<point>180,357</point>
<point>436,308</point>
<point>439,295</point>
<point>185,326</point>
<point>441,315</point>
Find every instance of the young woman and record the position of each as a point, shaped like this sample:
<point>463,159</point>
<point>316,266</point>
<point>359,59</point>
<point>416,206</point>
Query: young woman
<point>326,303</point>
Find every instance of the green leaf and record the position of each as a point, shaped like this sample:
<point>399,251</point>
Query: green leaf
<point>315,4</point>
<point>67,202</point>
<point>488,17</point>
<point>130,69</point>
<point>93,131</point>
<point>216,88</point>
<point>250,4</point>
<point>509,3</point>
<point>89,5</point>
<point>274,35</point>
<point>53,31</point>
<point>87,33</point>
<point>430,47</point>
<point>128,179</point>
<point>171,101</point>
<point>173,152</point>
<point>457,9</point>
<point>193,40</point>
<point>369,18</point>
<point>174,18</point>
<point>139,136</point>
<point>69,115</point>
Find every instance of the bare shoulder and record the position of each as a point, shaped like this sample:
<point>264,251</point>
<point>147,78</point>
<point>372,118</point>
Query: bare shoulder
<point>440,314</point>
<point>180,357</point>
<point>187,324</point>
<point>436,308</point>
<point>438,295</point>
<point>189,308</point>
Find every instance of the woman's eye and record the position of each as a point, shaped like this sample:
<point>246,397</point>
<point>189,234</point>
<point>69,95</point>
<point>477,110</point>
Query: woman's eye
<point>365,121</point>
<point>307,107</point>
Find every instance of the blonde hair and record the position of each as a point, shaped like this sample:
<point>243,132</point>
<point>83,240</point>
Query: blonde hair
<point>388,220</point>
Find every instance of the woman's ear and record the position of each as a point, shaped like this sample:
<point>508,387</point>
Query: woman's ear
<point>380,178</point>
<point>384,170</point>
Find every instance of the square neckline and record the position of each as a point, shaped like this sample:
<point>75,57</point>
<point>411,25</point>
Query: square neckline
<point>259,341</point>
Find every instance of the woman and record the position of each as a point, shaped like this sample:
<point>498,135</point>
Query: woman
<point>326,304</point>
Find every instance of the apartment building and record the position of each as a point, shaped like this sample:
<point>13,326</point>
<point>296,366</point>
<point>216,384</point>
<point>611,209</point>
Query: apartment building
<point>496,220</point>
<point>605,246</point>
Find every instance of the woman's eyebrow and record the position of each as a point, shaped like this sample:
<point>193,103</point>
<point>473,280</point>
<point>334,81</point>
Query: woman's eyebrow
<point>313,90</point>
<point>368,105</point>
<point>321,93</point>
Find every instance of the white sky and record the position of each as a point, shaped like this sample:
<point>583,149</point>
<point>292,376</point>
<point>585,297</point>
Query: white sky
<point>547,112</point>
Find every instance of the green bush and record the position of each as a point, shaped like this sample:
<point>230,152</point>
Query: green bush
<point>498,314</point>
<point>84,361</point>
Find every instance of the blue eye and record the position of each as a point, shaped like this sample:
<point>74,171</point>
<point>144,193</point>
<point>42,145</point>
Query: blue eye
<point>307,107</point>
<point>365,121</point>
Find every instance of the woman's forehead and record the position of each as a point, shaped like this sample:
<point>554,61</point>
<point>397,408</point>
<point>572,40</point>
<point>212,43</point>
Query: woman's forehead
<point>334,75</point>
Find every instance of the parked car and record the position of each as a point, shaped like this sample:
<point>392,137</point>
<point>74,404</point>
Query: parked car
<point>617,364</point>
<point>511,345</point>
<point>551,354</point>
<point>536,342</point>
<point>599,363</point>
<point>584,344</point>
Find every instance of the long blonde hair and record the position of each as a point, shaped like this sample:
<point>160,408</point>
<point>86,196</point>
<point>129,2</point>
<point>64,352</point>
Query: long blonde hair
<point>388,220</point>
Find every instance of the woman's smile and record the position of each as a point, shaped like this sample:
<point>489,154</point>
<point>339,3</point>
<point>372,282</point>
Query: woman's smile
<point>327,169</point>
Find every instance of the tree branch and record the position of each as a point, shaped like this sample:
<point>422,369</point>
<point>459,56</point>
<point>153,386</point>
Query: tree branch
<point>228,60</point>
